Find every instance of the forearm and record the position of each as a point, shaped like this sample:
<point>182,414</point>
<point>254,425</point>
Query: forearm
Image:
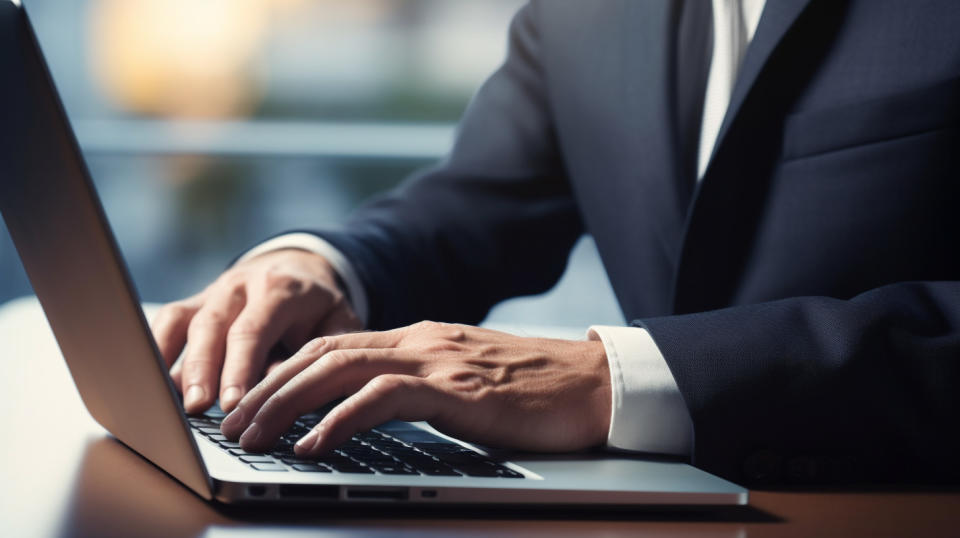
<point>819,390</point>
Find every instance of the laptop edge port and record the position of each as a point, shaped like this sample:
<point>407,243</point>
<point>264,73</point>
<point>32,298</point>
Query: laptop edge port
<point>308,491</point>
<point>378,494</point>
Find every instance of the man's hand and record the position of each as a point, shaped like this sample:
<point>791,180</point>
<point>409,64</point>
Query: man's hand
<point>282,297</point>
<point>476,384</point>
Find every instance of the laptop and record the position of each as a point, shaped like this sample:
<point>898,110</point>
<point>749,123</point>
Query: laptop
<point>62,235</point>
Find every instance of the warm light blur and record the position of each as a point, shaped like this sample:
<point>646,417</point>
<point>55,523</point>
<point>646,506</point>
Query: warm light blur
<point>180,57</point>
<point>209,125</point>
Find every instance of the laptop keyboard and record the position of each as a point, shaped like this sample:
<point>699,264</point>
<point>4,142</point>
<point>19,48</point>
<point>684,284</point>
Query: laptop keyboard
<point>394,448</point>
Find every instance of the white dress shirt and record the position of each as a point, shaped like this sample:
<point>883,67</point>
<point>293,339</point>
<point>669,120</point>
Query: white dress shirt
<point>648,413</point>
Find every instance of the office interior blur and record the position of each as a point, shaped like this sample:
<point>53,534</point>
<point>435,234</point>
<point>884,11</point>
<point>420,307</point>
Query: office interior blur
<point>209,126</point>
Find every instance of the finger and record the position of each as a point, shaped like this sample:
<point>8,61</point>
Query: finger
<point>273,366</point>
<point>176,373</point>
<point>384,398</point>
<point>337,374</point>
<point>251,336</point>
<point>206,343</point>
<point>170,324</point>
<point>238,420</point>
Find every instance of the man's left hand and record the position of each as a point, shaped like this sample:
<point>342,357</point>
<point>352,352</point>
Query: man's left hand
<point>476,384</point>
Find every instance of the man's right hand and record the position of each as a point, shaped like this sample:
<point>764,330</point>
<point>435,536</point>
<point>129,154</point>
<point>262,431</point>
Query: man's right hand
<point>282,297</point>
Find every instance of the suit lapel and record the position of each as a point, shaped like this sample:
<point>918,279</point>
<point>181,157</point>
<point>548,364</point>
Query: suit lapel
<point>729,200</point>
<point>777,19</point>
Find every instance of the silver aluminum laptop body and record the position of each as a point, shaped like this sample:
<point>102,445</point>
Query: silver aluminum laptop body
<point>61,233</point>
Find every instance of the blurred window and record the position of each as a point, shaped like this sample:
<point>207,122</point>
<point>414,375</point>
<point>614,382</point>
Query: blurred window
<point>211,125</point>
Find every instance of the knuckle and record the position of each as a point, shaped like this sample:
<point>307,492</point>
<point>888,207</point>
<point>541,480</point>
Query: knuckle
<point>173,311</point>
<point>389,384</point>
<point>276,279</point>
<point>273,404</point>
<point>426,325</point>
<point>454,333</point>
<point>196,368</point>
<point>232,280</point>
<point>315,345</point>
<point>243,329</point>
<point>344,359</point>
<point>209,319</point>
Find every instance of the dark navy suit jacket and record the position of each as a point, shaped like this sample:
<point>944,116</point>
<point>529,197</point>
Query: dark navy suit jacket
<point>804,293</point>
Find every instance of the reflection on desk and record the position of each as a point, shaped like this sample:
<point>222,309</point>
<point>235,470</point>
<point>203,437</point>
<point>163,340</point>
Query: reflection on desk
<point>81,482</point>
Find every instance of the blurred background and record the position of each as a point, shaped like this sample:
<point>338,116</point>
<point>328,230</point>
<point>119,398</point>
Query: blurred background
<point>209,126</point>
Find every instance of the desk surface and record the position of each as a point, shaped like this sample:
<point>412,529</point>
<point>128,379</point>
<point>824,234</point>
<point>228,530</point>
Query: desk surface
<point>80,482</point>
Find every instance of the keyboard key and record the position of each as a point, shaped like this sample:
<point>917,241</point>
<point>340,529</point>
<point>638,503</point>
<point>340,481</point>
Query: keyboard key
<point>229,444</point>
<point>209,430</point>
<point>370,456</point>
<point>488,470</point>
<point>484,471</point>
<point>335,455</point>
<point>353,469</point>
<point>438,470</point>
<point>461,458</point>
<point>311,468</point>
<point>418,436</point>
<point>284,452</point>
<point>242,452</point>
<point>371,437</point>
<point>218,438</point>
<point>425,461</point>
<point>441,448</point>
<point>407,452</point>
<point>268,467</point>
<point>292,461</point>
<point>394,469</point>
<point>198,422</point>
<point>257,459</point>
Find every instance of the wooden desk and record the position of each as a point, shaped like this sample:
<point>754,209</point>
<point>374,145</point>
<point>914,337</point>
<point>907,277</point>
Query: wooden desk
<point>80,482</point>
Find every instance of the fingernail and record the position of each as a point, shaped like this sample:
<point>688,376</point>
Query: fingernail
<point>251,436</point>
<point>235,418</point>
<point>230,397</point>
<point>307,441</point>
<point>193,396</point>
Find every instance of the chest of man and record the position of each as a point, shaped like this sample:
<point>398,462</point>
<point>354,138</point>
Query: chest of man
<point>834,170</point>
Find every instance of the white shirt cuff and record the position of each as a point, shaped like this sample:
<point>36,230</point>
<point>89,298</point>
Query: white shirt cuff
<point>339,262</point>
<point>648,410</point>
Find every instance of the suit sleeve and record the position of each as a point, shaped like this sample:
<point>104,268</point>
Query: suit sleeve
<point>823,390</point>
<point>494,220</point>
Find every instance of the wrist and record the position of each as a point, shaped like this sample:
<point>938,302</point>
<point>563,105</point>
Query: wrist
<point>594,359</point>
